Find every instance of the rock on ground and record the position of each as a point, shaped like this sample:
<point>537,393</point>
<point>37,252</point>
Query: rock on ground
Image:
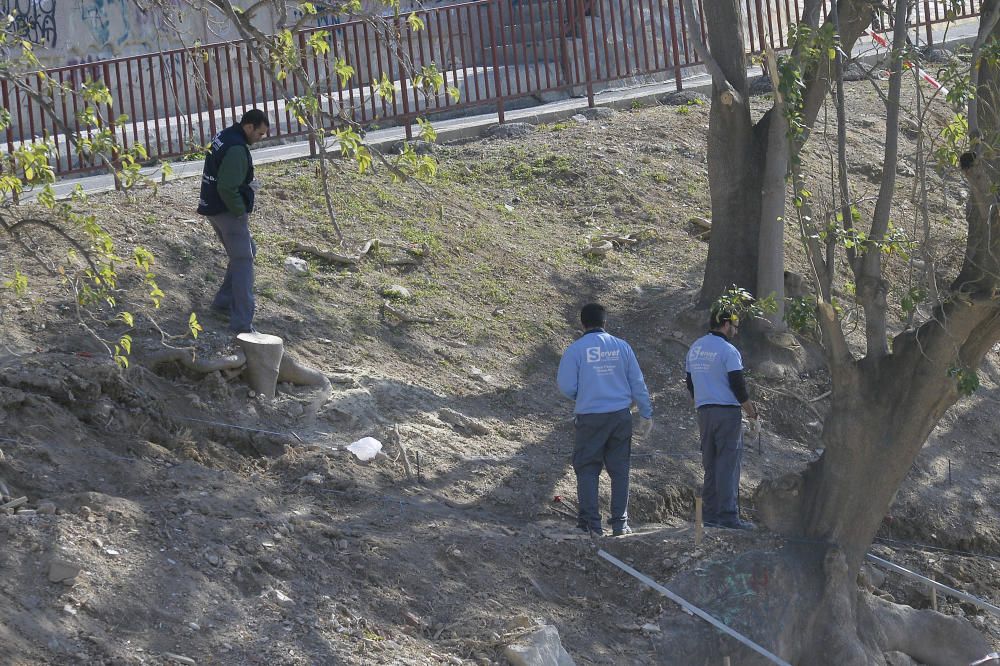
<point>510,130</point>
<point>541,648</point>
<point>683,97</point>
<point>598,113</point>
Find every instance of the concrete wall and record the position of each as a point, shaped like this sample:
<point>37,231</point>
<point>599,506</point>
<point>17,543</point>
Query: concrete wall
<point>71,32</point>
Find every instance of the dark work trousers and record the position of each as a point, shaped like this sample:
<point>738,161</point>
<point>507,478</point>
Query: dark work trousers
<point>236,293</point>
<point>603,441</point>
<point>721,454</point>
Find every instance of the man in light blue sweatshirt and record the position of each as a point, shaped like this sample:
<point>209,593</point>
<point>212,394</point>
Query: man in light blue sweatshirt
<point>715,381</point>
<point>600,372</point>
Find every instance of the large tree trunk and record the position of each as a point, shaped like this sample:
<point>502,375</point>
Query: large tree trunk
<point>884,406</point>
<point>735,160</point>
<point>882,412</point>
<point>771,239</point>
<point>739,151</point>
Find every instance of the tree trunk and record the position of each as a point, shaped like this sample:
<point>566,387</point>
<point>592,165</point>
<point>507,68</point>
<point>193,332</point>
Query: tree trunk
<point>735,161</point>
<point>882,413</point>
<point>884,406</point>
<point>738,151</point>
<point>771,242</point>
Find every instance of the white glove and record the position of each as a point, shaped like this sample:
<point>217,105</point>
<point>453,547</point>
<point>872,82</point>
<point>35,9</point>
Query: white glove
<point>644,428</point>
<point>754,426</point>
<point>254,184</point>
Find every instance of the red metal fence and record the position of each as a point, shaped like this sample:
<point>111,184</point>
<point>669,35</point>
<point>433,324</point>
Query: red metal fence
<point>495,52</point>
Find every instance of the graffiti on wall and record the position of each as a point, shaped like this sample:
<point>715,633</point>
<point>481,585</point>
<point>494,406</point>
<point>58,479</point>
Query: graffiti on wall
<point>34,19</point>
<point>91,30</point>
<point>99,17</point>
<point>320,20</point>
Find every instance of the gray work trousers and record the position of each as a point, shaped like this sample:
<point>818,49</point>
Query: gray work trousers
<point>236,293</point>
<point>721,430</point>
<point>603,441</point>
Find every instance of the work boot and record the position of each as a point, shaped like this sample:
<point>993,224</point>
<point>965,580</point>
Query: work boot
<point>738,525</point>
<point>591,531</point>
<point>624,530</point>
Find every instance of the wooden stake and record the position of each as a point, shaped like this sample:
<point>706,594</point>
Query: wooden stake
<point>406,457</point>
<point>698,531</point>
<point>13,504</point>
<point>726,662</point>
<point>934,605</point>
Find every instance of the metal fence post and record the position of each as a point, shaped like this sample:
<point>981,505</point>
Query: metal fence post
<point>760,23</point>
<point>491,25</point>
<point>675,45</point>
<point>208,93</point>
<point>106,74</point>
<point>405,94</point>
<point>6,106</point>
<point>580,11</point>
<point>311,131</point>
<point>927,23</point>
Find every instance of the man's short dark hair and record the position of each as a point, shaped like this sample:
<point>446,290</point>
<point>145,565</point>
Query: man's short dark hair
<point>593,315</point>
<point>255,117</point>
<point>719,316</point>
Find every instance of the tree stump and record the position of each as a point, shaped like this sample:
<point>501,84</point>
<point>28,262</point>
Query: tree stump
<point>263,354</point>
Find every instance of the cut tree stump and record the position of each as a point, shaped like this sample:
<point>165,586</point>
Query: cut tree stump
<point>263,354</point>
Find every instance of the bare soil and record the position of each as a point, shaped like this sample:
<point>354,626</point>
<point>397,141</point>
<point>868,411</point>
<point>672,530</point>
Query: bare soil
<point>228,529</point>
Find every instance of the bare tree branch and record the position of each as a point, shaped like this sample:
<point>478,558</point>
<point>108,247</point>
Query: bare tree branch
<point>729,94</point>
<point>868,269</point>
<point>986,25</point>
<point>15,228</point>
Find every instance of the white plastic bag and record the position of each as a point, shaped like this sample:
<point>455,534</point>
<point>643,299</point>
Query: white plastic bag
<point>365,448</point>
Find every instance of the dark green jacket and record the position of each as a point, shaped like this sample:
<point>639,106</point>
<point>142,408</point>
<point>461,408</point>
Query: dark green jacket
<point>225,181</point>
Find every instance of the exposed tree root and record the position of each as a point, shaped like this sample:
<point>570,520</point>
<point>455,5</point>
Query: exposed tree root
<point>411,253</point>
<point>294,372</point>
<point>387,307</point>
<point>928,636</point>
<point>802,603</point>
<point>290,370</point>
<point>189,359</point>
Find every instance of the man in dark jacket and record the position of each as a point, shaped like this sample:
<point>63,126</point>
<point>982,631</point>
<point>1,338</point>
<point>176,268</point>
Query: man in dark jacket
<point>715,380</point>
<point>227,195</point>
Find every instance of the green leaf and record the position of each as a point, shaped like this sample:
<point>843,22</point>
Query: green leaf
<point>47,196</point>
<point>427,132</point>
<point>319,42</point>
<point>193,326</point>
<point>18,284</point>
<point>343,70</point>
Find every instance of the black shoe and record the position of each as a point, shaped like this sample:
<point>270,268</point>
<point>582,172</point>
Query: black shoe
<point>710,523</point>
<point>591,532</point>
<point>738,525</point>
<point>621,531</point>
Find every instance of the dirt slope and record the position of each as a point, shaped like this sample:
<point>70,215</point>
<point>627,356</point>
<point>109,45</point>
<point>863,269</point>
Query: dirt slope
<point>198,535</point>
